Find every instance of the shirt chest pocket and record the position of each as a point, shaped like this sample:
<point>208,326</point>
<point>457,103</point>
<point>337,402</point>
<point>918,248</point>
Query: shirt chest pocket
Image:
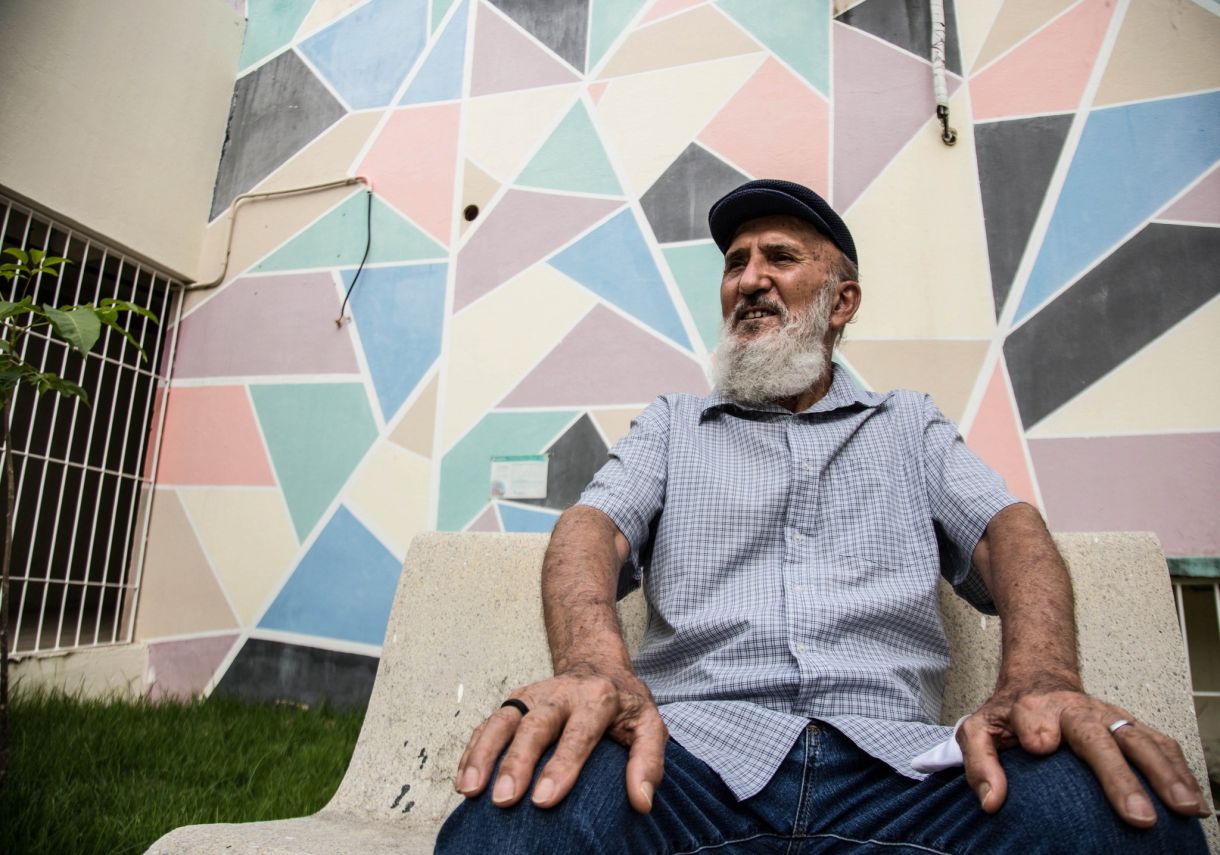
<point>873,507</point>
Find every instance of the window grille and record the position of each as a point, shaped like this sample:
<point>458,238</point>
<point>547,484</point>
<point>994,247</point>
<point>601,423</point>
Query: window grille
<point>80,471</point>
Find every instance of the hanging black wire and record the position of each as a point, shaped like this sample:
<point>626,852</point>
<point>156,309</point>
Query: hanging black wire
<point>368,241</point>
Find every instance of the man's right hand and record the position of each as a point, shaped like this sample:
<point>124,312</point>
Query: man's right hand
<point>576,708</point>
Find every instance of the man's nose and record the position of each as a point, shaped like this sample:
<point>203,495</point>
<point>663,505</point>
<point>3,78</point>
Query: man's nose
<point>754,277</point>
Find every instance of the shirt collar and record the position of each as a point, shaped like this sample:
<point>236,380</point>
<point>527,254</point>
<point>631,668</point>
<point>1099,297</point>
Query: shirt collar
<point>843,393</point>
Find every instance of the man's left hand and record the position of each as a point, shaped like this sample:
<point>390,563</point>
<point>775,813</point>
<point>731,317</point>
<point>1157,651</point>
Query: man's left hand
<point>1042,713</point>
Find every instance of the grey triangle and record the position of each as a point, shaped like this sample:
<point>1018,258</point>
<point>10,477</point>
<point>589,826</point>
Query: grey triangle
<point>1016,159</point>
<point>1143,288</point>
<point>676,204</point>
<point>574,459</point>
<point>907,25</point>
<point>561,25</point>
<point>277,110</point>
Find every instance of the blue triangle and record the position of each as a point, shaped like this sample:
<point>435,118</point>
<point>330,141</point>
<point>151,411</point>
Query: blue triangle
<point>440,77</point>
<point>399,314</point>
<point>1131,160</point>
<point>516,518</point>
<point>613,262</point>
<point>347,558</point>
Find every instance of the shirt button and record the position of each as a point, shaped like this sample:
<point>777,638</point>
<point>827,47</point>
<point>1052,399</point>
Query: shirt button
<point>797,537</point>
<point>800,648</point>
<point>807,466</point>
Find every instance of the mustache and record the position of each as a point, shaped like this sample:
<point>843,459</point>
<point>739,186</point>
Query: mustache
<point>749,304</point>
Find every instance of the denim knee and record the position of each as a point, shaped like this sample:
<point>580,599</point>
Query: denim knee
<point>1057,799</point>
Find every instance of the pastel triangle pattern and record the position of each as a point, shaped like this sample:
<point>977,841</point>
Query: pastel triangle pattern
<point>614,262</point>
<point>995,436</point>
<point>1119,177</point>
<point>608,18</point>
<point>440,77</point>
<point>1048,72</point>
<point>270,25</point>
<point>399,314</point>
<point>500,249</point>
<point>883,96</point>
<point>573,158</point>
<point>517,518</point>
<point>338,239</point>
<point>505,59</point>
<point>796,31</point>
<point>576,373</point>
<point>299,421</point>
<point>796,146</point>
<point>1200,204</point>
<point>346,557</point>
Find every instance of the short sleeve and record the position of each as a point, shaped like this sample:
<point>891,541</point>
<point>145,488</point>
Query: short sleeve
<point>964,493</point>
<point>630,487</point>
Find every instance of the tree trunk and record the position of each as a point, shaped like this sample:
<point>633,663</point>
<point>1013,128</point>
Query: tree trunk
<point>10,500</point>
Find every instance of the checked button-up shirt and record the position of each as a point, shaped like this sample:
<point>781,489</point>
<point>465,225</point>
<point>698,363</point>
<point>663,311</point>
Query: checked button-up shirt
<point>790,563</point>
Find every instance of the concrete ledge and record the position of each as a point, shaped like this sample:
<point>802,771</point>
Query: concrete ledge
<point>466,628</point>
<point>117,671</point>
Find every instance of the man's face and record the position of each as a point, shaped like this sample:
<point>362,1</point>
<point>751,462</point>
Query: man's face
<point>773,271</point>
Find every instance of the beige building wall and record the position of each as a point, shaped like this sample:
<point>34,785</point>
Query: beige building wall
<point>114,115</point>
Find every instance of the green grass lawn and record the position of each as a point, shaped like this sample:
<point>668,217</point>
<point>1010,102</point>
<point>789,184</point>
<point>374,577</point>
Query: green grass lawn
<point>111,777</point>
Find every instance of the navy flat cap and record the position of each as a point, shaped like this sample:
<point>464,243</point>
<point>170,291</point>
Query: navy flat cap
<point>769,196</point>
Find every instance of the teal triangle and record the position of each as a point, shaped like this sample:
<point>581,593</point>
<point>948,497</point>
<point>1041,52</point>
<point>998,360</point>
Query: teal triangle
<point>573,158</point>
<point>796,31</point>
<point>607,18</point>
<point>1129,162</point>
<point>440,77</point>
<point>270,24</point>
<point>338,239</point>
<point>466,469</point>
<point>614,262</point>
<point>439,8</point>
<point>697,269</point>
<point>316,433</point>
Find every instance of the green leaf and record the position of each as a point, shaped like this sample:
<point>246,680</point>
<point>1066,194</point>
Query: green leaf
<point>36,257</point>
<point>124,306</point>
<point>78,326</point>
<point>114,326</point>
<point>51,260</point>
<point>53,382</point>
<point>9,309</point>
<point>19,254</point>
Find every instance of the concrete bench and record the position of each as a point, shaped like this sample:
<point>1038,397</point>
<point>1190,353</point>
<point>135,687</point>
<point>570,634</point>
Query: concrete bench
<point>466,628</point>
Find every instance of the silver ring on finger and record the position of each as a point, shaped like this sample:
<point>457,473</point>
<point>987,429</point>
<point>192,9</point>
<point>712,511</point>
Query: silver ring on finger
<point>1122,722</point>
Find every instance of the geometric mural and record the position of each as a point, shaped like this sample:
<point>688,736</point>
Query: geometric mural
<point>539,270</point>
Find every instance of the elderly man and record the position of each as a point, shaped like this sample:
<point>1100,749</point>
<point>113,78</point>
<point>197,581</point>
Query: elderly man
<point>789,530</point>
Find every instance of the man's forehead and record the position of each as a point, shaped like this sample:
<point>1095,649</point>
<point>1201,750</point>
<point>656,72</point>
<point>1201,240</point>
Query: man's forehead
<point>778,228</point>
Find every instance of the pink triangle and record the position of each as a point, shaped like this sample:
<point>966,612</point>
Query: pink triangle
<point>996,438</point>
<point>487,521</point>
<point>413,163</point>
<point>796,145</point>
<point>1200,205</point>
<point>597,90</point>
<point>524,227</point>
<point>1047,72</point>
<point>883,96</point>
<point>506,59</point>
<point>605,361</point>
<point>183,669</point>
<point>211,437</point>
<point>662,8</point>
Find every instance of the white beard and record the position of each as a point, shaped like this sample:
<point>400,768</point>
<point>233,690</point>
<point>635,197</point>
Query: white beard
<point>778,364</point>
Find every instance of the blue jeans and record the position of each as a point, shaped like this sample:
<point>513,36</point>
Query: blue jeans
<point>828,796</point>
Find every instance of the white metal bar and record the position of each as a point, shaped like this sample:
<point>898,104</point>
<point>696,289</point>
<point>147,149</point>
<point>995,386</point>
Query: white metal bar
<point>108,359</point>
<point>114,515</point>
<point>118,279</point>
<point>97,290</point>
<point>156,459</point>
<point>72,464</point>
<point>133,510</point>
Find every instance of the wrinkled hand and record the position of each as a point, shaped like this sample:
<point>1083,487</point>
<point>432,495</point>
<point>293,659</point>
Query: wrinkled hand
<point>1042,713</point>
<point>576,707</point>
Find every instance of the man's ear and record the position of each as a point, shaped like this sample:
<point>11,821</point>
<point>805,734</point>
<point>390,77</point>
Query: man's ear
<point>847,303</point>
